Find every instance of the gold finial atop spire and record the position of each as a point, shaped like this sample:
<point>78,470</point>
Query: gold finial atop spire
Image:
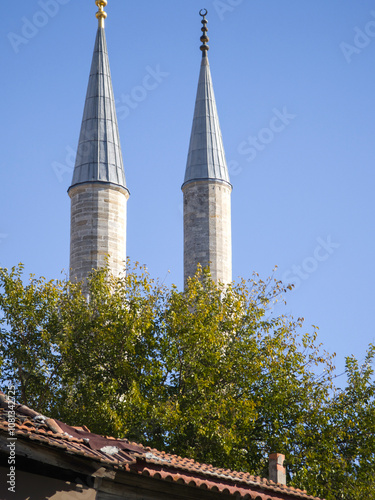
<point>101,15</point>
<point>204,38</point>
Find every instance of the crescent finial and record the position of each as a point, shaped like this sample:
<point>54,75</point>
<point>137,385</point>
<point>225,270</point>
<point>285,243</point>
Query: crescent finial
<point>204,38</point>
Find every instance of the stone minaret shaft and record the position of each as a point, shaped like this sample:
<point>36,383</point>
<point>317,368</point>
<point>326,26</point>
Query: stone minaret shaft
<point>98,191</point>
<point>206,188</point>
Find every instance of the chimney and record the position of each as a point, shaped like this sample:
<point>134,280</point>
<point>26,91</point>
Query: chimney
<point>277,472</point>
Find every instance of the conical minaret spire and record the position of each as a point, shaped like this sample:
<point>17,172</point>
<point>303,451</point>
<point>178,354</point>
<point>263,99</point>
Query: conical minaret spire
<point>98,191</point>
<point>206,187</point>
<point>206,157</point>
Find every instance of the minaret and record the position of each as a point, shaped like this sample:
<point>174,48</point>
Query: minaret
<point>206,188</point>
<point>98,191</point>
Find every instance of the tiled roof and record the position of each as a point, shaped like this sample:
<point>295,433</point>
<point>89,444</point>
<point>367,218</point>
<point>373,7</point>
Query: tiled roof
<point>135,458</point>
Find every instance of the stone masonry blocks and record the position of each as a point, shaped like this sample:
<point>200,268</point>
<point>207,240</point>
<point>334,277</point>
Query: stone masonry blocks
<point>207,228</point>
<point>97,228</point>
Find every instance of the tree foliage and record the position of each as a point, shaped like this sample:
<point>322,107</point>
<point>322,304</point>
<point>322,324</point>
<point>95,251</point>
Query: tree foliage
<point>208,373</point>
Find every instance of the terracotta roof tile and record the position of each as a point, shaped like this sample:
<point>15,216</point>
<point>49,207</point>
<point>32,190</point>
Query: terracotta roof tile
<point>135,458</point>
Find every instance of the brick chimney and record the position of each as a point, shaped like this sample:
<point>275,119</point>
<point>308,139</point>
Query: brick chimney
<point>277,472</point>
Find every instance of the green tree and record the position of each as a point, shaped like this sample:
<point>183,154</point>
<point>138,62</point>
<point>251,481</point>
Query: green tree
<point>239,381</point>
<point>341,463</point>
<point>29,353</point>
<point>210,373</point>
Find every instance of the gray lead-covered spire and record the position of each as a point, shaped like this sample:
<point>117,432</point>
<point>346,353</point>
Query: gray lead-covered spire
<point>99,157</point>
<point>206,158</point>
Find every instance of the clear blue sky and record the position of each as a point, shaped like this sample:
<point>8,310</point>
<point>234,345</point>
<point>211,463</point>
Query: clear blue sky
<point>302,184</point>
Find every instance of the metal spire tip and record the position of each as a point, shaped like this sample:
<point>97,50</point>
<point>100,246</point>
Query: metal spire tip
<point>204,38</point>
<point>101,15</point>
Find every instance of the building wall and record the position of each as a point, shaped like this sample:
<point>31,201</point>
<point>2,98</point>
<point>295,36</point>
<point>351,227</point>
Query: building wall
<point>97,228</point>
<point>35,487</point>
<point>207,229</point>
